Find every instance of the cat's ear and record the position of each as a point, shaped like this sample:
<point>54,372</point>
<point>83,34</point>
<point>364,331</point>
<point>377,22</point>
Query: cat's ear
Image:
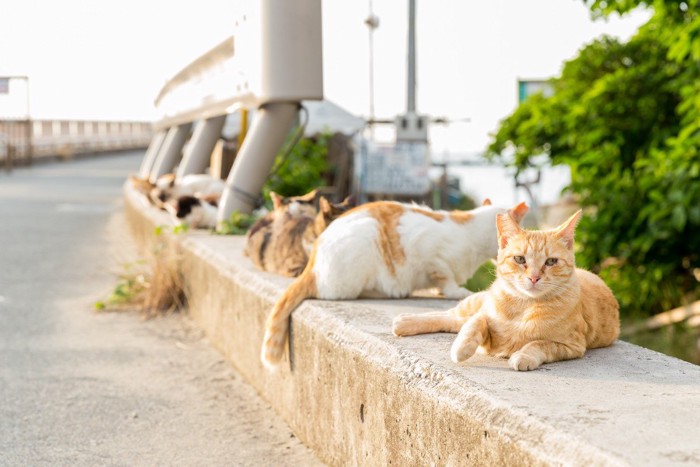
<point>350,201</point>
<point>140,184</point>
<point>324,206</point>
<point>507,229</point>
<point>308,197</point>
<point>518,212</point>
<point>277,200</point>
<point>486,202</point>
<point>566,230</point>
<point>166,180</point>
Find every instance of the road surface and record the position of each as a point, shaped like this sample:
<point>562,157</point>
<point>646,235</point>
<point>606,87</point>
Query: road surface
<point>86,388</point>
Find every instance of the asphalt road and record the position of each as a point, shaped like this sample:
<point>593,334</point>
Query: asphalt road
<point>86,388</point>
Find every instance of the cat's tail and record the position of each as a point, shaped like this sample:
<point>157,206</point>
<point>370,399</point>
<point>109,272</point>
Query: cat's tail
<point>276,328</point>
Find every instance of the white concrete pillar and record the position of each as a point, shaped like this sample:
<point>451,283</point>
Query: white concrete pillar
<point>198,152</point>
<point>151,153</point>
<point>252,166</point>
<point>171,151</point>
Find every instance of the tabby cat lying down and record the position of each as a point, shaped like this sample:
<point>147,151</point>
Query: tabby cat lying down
<point>388,249</point>
<point>540,309</point>
<point>281,241</point>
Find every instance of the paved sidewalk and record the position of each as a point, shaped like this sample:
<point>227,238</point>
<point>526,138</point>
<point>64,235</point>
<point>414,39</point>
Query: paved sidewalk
<point>84,388</point>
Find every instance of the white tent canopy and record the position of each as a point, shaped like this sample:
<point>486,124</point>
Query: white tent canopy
<point>323,116</point>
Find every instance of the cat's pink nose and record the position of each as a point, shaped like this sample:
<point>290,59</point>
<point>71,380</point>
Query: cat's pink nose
<point>535,279</point>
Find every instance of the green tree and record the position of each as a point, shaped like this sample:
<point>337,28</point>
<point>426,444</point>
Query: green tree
<point>300,170</point>
<point>626,118</point>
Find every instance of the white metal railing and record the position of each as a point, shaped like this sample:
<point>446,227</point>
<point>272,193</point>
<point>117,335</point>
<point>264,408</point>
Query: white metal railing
<point>22,141</point>
<point>272,62</point>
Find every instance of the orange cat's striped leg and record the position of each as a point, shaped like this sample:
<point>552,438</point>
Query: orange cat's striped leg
<point>535,353</point>
<point>451,320</point>
<point>470,337</point>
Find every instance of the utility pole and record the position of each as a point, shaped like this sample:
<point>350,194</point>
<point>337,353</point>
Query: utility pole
<point>411,127</point>
<point>411,88</point>
<point>372,23</point>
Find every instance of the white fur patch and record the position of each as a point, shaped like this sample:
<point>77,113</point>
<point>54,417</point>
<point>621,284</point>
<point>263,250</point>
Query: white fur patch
<point>349,262</point>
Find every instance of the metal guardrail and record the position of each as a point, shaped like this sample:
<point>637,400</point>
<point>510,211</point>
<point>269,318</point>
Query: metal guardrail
<point>23,141</point>
<point>272,62</point>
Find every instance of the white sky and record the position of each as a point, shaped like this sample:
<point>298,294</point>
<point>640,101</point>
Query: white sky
<point>107,59</point>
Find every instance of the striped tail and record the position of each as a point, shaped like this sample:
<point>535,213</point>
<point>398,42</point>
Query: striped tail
<point>276,328</point>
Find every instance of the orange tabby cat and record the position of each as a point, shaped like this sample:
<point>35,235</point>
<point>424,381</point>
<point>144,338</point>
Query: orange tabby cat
<point>540,309</point>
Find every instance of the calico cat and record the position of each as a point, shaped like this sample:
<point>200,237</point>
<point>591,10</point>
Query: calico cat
<point>169,188</point>
<point>196,212</point>
<point>142,185</point>
<point>260,235</point>
<point>388,249</point>
<point>540,309</point>
<point>281,241</point>
<point>200,185</point>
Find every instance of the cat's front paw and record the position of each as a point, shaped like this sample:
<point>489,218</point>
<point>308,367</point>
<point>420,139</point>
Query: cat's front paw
<point>521,361</point>
<point>463,349</point>
<point>405,325</point>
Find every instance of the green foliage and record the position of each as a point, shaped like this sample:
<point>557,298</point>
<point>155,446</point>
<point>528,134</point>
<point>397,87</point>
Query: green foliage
<point>460,201</point>
<point>237,224</point>
<point>482,278</point>
<point>181,229</point>
<point>302,170</point>
<point>176,229</point>
<point>626,118</point>
<point>294,173</point>
<point>153,285</point>
<point>131,283</point>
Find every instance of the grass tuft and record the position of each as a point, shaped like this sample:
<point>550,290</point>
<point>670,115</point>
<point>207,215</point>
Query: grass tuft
<point>237,224</point>
<point>153,286</point>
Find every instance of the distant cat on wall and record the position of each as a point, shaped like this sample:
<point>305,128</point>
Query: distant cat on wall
<point>142,185</point>
<point>281,241</point>
<point>389,249</point>
<point>169,188</point>
<point>540,309</point>
<point>196,212</point>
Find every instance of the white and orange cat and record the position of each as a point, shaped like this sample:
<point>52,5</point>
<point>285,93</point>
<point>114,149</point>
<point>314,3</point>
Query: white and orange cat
<point>388,249</point>
<point>540,308</point>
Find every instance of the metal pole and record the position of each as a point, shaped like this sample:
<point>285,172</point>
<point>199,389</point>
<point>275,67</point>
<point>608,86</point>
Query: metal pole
<point>255,158</point>
<point>244,127</point>
<point>197,155</point>
<point>170,152</point>
<point>151,154</point>
<point>30,132</point>
<point>411,101</point>
<point>372,23</point>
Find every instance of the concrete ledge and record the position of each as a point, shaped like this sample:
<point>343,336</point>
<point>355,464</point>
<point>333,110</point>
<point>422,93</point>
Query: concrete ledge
<point>359,395</point>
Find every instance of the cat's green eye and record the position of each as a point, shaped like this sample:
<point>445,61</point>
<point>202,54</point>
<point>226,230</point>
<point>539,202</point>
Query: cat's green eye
<point>551,261</point>
<point>519,259</point>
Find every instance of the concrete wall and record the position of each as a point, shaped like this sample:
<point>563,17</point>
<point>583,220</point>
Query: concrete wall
<point>358,395</point>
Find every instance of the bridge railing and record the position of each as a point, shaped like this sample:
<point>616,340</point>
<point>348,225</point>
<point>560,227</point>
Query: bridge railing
<point>272,62</point>
<point>23,141</point>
